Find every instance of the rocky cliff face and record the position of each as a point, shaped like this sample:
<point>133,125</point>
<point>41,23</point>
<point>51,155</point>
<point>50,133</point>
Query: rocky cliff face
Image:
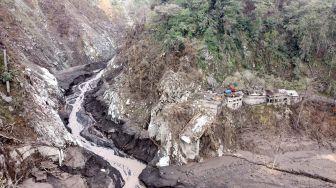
<point>57,34</point>
<point>42,103</point>
<point>43,40</point>
<point>48,36</point>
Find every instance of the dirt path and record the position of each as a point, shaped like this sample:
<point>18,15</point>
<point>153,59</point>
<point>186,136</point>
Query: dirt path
<point>318,98</point>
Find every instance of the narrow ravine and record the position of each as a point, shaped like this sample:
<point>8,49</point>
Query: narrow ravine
<point>129,168</point>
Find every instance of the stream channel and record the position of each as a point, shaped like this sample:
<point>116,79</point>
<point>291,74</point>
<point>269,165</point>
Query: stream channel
<point>129,168</point>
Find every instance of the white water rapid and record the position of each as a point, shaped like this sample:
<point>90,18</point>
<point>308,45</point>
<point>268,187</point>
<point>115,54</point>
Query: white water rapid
<point>130,169</point>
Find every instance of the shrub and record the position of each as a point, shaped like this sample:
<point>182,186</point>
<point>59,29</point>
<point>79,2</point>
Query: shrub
<point>3,182</point>
<point>7,76</point>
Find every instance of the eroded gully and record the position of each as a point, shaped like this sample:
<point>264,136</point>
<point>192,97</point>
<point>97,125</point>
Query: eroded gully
<point>128,167</point>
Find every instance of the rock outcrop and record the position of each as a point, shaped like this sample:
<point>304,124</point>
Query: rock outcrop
<point>49,168</point>
<point>48,36</point>
<point>42,104</point>
<point>45,37</point>
<point>125,135</point>
<point>180,119</point>
<point>58,34</point>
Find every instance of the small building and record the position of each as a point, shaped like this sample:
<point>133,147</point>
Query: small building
<point>234,100</point>
<point>254,96</point>
<point>211,103</point>
<point>293,96</point>
<point>276,97</point>
<point>211,107</point>
<point>282,97</point>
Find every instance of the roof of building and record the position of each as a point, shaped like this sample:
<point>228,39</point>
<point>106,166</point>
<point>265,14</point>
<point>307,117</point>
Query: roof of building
<point>275,93</point>
<point>255,92</point>
<point>234,94</point>
<point>292,93</point>
<point>281,92</point>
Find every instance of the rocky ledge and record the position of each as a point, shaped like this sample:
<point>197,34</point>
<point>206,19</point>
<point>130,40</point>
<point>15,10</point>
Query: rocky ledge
<point>124,136</point>
<point>44,166</point>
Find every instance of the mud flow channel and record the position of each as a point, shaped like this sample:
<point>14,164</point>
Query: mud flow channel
<point>129,168</point>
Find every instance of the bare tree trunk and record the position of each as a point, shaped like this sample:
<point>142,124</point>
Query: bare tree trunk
<point>6,70</point>
<point>301,108</point>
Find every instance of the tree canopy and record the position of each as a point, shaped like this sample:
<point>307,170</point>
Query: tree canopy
<point>270,36</point>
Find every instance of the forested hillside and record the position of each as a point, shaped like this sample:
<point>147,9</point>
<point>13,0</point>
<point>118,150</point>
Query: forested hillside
<point>291,39</point>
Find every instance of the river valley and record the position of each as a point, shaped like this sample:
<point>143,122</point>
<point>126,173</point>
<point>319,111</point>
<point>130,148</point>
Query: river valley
<point>129,168</point>
<point>150,93</point>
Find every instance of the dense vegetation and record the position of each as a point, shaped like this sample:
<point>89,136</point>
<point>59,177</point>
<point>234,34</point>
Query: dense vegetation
<point>4,75</point>
<point>287,38</point>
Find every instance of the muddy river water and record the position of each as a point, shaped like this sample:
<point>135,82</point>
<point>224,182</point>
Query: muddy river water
<point>128,167</point>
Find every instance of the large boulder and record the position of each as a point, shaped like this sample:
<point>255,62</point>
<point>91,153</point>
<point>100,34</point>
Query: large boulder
<point>180,136</point>
<point>42,107</point>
